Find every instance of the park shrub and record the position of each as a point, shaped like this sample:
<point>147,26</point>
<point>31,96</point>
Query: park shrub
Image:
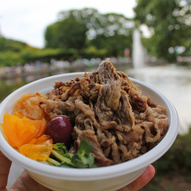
<point>10,58</point>
<point>93,52</point>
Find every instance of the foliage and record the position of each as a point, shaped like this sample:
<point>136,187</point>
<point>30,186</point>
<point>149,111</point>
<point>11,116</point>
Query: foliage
<point>92,52</point>
<point>10,51</point>
<point>81,159</point>
<point>85,32</point>
<point>97,23</point>
<point>8,58</point>
<point>47,53</point>
<point>11,45</point>
<point>68,33</point>
<point>14,52</point>
<point>87,27</point>
<point>170,21</point>
<point>115,45</point>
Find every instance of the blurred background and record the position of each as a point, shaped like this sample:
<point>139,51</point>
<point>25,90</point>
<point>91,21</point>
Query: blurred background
<point>148,40</point>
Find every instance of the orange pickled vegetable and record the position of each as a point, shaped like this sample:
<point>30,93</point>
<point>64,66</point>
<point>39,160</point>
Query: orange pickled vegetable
<point>29,106</point>
<point>39,131</point>
<point>38,148</point>
<point>20,129</point>
<point>18,114</point>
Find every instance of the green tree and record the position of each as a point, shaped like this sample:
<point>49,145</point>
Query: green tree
<point>115,44</point>
<point>102,31</point>
<point>170,21</point>
<point>114,34</point>
<point>68,33</point>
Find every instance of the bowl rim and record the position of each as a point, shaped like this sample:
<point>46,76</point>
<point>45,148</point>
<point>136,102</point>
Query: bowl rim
<point>136,164</point>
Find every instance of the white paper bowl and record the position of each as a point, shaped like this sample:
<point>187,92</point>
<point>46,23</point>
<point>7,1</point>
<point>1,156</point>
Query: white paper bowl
<point>98,179</point>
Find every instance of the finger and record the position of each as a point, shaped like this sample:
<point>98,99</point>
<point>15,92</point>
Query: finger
<point>141,181</point>
<point>5,165</point>
<point>26,183</point>
<point>144,179</point>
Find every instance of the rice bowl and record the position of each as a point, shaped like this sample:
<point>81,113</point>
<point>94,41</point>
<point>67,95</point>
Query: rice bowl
<point>103,178</point>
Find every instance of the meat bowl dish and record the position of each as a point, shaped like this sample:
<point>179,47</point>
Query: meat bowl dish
<point>82,131</point>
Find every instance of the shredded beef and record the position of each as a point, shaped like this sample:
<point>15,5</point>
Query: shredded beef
<point>108,110</point>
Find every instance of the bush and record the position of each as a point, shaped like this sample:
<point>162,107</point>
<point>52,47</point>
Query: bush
<point>93,52</point>
<point>10,58</point>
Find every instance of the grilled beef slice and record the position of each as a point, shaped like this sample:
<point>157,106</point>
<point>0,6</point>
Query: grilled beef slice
<point>110,112</point>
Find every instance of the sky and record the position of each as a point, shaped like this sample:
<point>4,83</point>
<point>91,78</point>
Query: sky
<point>26,20</point>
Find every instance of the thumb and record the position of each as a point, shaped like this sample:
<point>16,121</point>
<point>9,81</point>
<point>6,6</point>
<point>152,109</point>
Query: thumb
<point>141,181</point>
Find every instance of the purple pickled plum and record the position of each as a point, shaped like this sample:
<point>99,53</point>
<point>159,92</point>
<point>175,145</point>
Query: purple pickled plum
<point>60,130</point>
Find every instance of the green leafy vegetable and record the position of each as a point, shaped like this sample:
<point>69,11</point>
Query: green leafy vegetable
<point>82,159</point>
<point>61,147</point>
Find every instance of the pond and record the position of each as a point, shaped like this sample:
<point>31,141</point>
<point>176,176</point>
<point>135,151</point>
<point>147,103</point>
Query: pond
<point>174,81</point>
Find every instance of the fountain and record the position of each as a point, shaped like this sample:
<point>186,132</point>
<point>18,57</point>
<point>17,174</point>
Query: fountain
<point>138,52</point>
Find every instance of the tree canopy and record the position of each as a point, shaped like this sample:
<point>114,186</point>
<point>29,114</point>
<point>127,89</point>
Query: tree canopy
<point>84,28</point>
<point>171,23</point>
<point>68,33</point>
